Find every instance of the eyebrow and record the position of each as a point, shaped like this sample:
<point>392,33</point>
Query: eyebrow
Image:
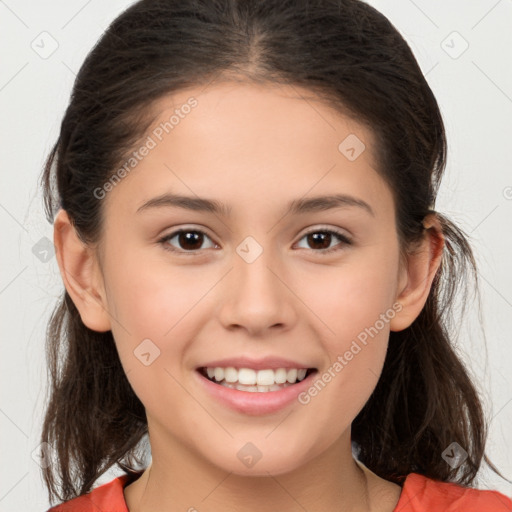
<point>297,206</point>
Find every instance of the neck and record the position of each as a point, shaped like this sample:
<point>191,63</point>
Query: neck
<point>179,479</point>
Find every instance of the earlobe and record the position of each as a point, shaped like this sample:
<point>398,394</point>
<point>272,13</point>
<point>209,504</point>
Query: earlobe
<point>417,274</point>
<point>80,274</point>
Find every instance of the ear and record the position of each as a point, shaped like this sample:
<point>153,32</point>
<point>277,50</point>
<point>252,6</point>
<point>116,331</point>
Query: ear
<point>81,274</point>
<point>417,273</point>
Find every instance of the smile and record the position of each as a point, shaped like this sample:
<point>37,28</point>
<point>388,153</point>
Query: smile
<point>259,381</point>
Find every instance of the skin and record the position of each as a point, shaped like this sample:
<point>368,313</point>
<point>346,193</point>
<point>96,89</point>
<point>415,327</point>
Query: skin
<point>254,148</point>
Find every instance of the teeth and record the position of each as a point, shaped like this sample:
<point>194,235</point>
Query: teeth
<point>259,389</point>
<point>252,380</point>
<point>247,376</point>
<point>291,376</point>
<point>219,374</point>
<point>280,376</point>
<point>231,375</point>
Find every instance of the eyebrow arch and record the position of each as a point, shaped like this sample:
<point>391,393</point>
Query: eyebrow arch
<point>297,206</point>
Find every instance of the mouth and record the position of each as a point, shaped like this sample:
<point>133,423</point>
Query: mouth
<point>256,381</point>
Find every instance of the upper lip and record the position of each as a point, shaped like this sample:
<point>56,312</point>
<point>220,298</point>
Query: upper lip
<point>269,362</point>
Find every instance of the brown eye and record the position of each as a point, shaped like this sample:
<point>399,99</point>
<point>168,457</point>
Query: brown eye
<point>320,240</point>
<point>191,241</point>
<point>187,240</point>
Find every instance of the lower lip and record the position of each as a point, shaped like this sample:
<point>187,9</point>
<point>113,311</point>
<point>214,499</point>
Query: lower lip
<point>255,403</point>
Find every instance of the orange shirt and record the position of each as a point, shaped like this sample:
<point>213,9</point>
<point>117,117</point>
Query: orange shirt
<point>419,494</point>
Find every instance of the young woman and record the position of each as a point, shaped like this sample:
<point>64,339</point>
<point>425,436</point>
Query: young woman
<point>243,197</point>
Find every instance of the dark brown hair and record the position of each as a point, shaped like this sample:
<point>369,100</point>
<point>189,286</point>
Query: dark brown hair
<point>348,54</point>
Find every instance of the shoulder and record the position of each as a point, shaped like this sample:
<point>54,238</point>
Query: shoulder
<point>108,497</point>
<point>422,494</point>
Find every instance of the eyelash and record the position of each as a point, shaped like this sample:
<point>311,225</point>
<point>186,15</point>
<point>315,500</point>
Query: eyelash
<point>166,246</point>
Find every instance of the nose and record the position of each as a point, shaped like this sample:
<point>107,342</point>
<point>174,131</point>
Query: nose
<point>258,297</point>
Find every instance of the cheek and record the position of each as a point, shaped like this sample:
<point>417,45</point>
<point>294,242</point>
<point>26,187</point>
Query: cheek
<point>152,302</point>
<point>152,305</point>
<point>352,297</point>
<point>150,297</point>
<point>355,308</point>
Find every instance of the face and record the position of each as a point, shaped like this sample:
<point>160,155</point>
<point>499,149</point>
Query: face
<point>315,285</point>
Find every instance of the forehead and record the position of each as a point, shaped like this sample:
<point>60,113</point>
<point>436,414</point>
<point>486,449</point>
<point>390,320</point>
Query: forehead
<point>261,112</point>
<point>251,142</point>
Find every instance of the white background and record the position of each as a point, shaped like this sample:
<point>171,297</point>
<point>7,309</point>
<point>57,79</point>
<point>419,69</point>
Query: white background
<point>474,91</point>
